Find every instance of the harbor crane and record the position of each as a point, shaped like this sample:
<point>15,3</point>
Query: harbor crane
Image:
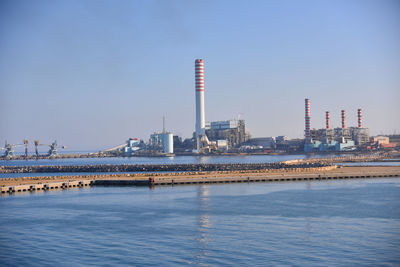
<point>26,142</point>
<point>53,151</point>
<point>36,142</point>
<point>9,148</point>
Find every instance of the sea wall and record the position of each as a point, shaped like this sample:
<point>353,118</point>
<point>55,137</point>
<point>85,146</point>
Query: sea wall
<point>157,167</point>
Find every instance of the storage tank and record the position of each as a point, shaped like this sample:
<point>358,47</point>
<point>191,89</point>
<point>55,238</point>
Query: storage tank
<point>168,143</point>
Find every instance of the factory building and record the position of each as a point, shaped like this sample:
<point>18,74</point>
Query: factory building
<point>360,136</point>
<point>278,143</point>
<point>338,139</point>
<point>264,142</point>
<point>162,142</point>
<point>381,140</point>
<point>231,131</point>
<point>284,143</point>
<point>132,146</point>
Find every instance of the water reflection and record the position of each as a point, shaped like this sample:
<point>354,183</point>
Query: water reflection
<point>204,223</point>
<point>202,160</point>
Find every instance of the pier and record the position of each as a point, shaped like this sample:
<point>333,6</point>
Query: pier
<point>323,173</point>
<point>31,184</point>
<point>45,186</point>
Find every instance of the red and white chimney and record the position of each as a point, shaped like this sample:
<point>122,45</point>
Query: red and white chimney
<point>359,118</point>
<point>327,120</point>
<point>307,133</point>
<point>199,87</point>
<point>343,119</point>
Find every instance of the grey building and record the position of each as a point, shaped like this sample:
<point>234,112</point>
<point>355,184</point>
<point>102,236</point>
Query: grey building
<point>233,131</point>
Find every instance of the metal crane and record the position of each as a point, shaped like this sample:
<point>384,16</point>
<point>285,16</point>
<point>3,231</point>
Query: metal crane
<point>36,142</point>
<point>53,151</point>
<point>26,142</point>
<point>9,149</point>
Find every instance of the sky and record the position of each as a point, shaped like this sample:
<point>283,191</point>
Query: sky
<point>91,74</point>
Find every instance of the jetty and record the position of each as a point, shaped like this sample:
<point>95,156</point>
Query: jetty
<point>31,184</point>
<point>158,167</point>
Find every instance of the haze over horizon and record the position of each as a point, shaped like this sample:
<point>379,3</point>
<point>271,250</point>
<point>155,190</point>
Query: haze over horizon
<point>91,74</point>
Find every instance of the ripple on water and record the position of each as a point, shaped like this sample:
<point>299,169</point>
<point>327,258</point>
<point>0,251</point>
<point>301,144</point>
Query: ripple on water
<point>302,223</point>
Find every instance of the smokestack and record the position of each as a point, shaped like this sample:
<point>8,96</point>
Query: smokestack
<point>200,115</point>
<point>327,118</point>
<point>307,118</point>
<point>343,119</point>
<point>163,124</point>
<point>359,118</point>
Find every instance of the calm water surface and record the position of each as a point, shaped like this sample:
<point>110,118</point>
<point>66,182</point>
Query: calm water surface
<point>341,223</point>
<point>154,160</point>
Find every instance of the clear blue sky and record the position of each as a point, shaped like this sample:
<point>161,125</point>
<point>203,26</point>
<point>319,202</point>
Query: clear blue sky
<point>93,73</point>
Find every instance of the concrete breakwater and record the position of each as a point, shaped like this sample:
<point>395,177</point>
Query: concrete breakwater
<point>24,184</point>
<point>157,167</point>
<point>152,181</point>
<point>345,159</point>
<point>115,176</point>
<point>45,186</point>
<point>14,185</point>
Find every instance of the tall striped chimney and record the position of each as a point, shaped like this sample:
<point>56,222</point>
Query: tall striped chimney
<point>359,118</point>
<point>307,133</point>
<point>327,118</point>
<point>199,85</point>
<point>343,119</point>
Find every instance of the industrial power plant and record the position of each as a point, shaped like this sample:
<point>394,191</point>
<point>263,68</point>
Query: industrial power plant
<point>208,137</point>
<point>216,135</point>
<point>230,136</point>
<point>334,139</point>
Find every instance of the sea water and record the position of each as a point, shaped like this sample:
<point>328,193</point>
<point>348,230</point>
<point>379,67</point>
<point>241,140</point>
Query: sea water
<point>318,223</point>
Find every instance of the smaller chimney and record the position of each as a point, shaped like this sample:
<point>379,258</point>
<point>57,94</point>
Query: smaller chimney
<point>163,124</point>
<point>359,118</point>
<point>327,119</point>
<point>343,119</point>
<point>307,118</point>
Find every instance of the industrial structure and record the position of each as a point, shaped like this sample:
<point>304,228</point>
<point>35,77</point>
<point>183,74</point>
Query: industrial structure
<point>132,146</point>
<point>9,148</point>
<point>201,138</point>
<point>226,134</point>
<point>338,139</point>
<point>162,143</point>
<point>216,135</point>
<point>231,136</point>
<point>53,148</point>
<point>307,133</point>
